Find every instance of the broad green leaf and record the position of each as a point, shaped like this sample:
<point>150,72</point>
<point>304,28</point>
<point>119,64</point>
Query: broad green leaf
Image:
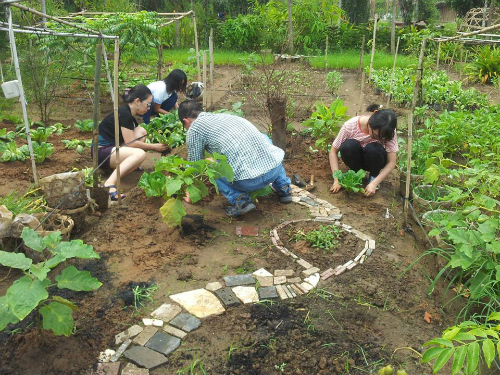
<point>6,316</point>
<point>40,270</point>
<point>15,260</point>
<point>52,240</point>
<point>464,336</point>
<point>194,193</point>
<point>55,260</point>
<point>32,239</point>
<point>65,302</point>
<point>201,186</point>
<point>478,332</point>
<point>432,353</point>
<point>472,357</point>
<point>76,249</point>
<point>440,341</point>
<point>173,185</point>
<point>25,294</point>
<point>450,334</point>
<point>58,318</point>
<point>488,351</point>
<point>493,247</point>
<point>477,284</point>
<point>73,279</point>
<point>459,359</point>
<point>431,174</point>
<point>442,359</point>
<point>172,212</point>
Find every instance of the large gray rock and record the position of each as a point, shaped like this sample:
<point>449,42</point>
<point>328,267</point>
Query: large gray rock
<point>145,357</point>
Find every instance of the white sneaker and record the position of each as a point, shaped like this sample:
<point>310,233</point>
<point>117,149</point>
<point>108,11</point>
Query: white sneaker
<point>370,179</point>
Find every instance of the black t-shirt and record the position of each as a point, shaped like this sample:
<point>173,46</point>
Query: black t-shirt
<point>125,119</point>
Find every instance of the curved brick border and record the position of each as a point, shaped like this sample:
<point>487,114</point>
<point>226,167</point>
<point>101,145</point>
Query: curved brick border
<point>162,335</point>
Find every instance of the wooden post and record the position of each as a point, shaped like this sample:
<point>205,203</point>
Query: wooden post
<point>393,25</point>
<point>438,55</point>
<point>97,83</point>
<point>326,52</point>
<point>361,54</point>
<point>416,90</point>
<point>196,47</point>
<point>117,122</point>
<point>453,55</point>
<point>108,74</point>
<point>393,71</point>
<point>211,57</point>
<point>362,92</point>
<point>290,28</point>
<point>205,79</point>
<point>22,98</point>
<point>461,60</point>
<point>160,60</point>
<point>177,33</point>
<point>1,70</point>
<point>373,46</point>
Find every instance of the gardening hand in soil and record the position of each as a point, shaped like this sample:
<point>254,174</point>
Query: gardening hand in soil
<point>336,186</point>
<point>367,142</point>
<point>138,101</point>
<point>256,163</point>
<point>165,94</point>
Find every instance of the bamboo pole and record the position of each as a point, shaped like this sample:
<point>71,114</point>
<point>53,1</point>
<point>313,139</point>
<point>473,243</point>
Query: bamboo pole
<point>461,60</point>
<point>22,98</point>
<point>160,60</point>
<point>97,82</point>
<point>438,55</point>
<point>1,70</point>
<point>416,90</point>
<point>373,46</point>
<point>393,25</point>
<point>362,92</point>
<point>326,52</point>
<point>196,47</point>
<point>361,54</point>
<point>211,56</point>
<point>117,122</point>
<point>205,78</point>
<point>108,74</point>
<point>393,71</point>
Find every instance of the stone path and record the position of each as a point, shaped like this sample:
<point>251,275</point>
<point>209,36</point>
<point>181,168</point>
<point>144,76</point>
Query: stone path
<point>148,347</point>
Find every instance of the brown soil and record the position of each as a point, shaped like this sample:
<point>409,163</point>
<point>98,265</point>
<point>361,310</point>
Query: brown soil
<point>351,324</point>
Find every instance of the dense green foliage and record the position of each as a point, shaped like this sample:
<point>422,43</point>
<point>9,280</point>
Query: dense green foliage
<point>326,237</point>
<point>486,65</point>
<point>350,180</point>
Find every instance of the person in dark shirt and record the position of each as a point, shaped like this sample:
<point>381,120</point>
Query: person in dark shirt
<point>138,100</point>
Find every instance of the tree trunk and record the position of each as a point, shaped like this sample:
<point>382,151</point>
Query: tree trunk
<point>277,111</point>
<point>393,26</point>
<point>290,28</point>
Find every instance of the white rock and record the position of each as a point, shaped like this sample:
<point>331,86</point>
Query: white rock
<point>247,294</point>
<point>262,272</point>
<point>313,279</point>
<point>166,312</point>
<point>106,355</point>
<point>158,323</point>
<point>199,302</point>
<point>306,286</point>
<point>128,333</point>
<point>212,287</point>
<point>147,321</point>
<point>310,271</point>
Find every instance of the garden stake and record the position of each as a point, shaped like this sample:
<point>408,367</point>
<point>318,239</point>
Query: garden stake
<point>326,53</point>
<point>361,54</point>
<point>438,55</point>
<point>392,74</point>
<point>205,101</point>
<point>97,81</point>
<point>211,56</point>
<point>461,58</point>
<point>196,47</point>
<point>117,123</point>
<point>361,94</point>
<point>160,60</point>
<point>373,46</point>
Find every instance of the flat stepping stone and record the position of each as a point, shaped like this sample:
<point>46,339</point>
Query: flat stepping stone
<point>166,312</point>
<point>309,201</point>
<point>262,272</point>
<point>265,280</point>
<point>238,280</point>
<point>199,302</point>
<point>175,332</point>
<point>247,294</point>
<point>283,273</point>
<point>109,368</point>
<point>132,369</point>
<point>227,297</point>
<point>145,357</point>
<point>145,335</point>
<point>186,322</point>
<point>304,263</point>
<point>128,333</point>
<point>279,280</point>
<point>310,271</point>
<point>313,279</point>
<point>213,286</point>
<point>163,343</point>
<point>268,292</point>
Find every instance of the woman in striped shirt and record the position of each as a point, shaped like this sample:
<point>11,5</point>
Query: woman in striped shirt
<point>367,142</point>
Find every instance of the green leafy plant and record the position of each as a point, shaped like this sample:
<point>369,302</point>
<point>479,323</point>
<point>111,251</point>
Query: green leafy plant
<point>29,292</point>
<point>486,66</point>
<point>42,134</point>
<point>467,343</point>
<point>12,153</point>
<point>334,81</point>
<point>350,180</point>
<point>325,123</point>
<point>326,237</point>
<point>166,129</point>
<point>58,128</point>
<point>77,144</point>
<point>41,151</point>
<point>181,177</point>
<point>6,136</point>
<point>85,125</point>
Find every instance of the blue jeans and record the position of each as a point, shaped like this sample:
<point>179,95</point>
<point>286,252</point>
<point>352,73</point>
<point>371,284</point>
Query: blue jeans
<point>277,177</point>
<point>167,105</point>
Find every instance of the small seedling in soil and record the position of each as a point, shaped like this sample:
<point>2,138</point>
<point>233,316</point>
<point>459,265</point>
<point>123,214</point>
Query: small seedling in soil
<point>193,368</point>
<point>142,294</point>
<point>280,367</point>
<point>326,237</point>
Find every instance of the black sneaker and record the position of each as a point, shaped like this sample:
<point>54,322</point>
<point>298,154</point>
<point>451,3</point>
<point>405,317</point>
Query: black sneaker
<point>285,194</point>
<point>240,207</point>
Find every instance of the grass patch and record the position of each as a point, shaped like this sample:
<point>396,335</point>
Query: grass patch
<point>221,57</point>
<point>350,60</point>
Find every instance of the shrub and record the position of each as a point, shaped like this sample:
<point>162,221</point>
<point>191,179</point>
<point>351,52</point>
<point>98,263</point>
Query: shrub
<point>486,67</point>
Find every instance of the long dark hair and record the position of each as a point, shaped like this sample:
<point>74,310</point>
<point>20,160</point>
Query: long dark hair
<point>176,81</point>
<point>383,120</point>
<point>140,92</point>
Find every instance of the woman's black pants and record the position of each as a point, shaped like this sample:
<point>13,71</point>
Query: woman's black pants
<point>371,158</point>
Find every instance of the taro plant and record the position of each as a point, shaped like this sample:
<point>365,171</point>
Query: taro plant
<point>325,123</point>
<point>182,178</point>
<point>36,289</point>
<point>350,180</point>
<point>468,343</point>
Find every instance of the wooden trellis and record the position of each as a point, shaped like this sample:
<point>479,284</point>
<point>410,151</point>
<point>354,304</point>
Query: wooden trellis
<point>478,18</point>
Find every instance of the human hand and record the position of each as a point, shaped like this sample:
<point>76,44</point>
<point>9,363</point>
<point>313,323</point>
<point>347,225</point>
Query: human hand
<point>335,187</point>
<point>160,147</point>
<point>186,198</point>
<point>370,189</point>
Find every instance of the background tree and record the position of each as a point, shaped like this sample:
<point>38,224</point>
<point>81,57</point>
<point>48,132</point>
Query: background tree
<point>406,7</point>
<point>357,11</point>
<point>462,6</point>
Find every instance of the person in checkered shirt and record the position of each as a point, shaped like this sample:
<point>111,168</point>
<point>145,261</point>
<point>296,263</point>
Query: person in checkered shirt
<point>255,161</point>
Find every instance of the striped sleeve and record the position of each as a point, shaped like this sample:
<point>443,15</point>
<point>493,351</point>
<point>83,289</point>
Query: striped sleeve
<point>340,138</point>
